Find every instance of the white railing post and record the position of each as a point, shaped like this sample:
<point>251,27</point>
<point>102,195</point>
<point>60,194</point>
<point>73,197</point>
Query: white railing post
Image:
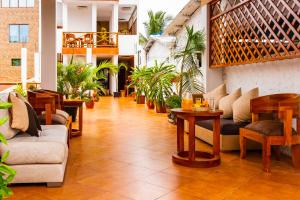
<point>89,56</point>
<point>24,67</point>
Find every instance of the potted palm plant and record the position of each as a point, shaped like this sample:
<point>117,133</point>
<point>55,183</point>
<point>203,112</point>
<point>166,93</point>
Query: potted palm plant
<point>161,84</point>
<point>138,79</point>
<point>190,74</point>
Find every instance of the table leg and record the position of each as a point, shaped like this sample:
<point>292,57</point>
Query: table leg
<point>180,135</point>
<point>80,120</point>
<point>216,136</point>
<point>192,138</point>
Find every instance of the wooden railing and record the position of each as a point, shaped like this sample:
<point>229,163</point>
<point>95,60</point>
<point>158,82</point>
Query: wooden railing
<point>250,31</point>
<point>90,40</point>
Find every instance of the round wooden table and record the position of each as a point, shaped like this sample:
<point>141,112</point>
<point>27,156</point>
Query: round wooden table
<point>191,157</point>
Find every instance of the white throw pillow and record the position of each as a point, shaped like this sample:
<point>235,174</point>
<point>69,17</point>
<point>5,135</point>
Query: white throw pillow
<point>5,129</point>
<point>241,107</point>
<point>226,102</point>
<point>217,94</point>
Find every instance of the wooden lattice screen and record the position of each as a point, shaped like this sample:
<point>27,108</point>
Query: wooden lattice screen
<point>249,31</point>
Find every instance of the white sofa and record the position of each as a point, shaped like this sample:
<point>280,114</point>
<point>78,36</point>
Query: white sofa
<point>40,159</point>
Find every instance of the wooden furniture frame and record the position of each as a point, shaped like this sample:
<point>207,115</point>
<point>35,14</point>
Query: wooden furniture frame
<point>193,158</point>
<point>284,107</point>
<point>79,104</point>
<point>251,31</point>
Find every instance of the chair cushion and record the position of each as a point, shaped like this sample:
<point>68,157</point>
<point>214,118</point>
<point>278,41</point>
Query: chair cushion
<point>49,148</point>
<point>268,127</point>
<point>228,127</point>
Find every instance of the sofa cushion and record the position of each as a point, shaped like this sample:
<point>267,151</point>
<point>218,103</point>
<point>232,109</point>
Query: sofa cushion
<point>226,102</point>
<point>49,148</point>
<point>5,129</point>
<point>56,119</point>
<point>228,127</point>
<point>19,113</point>
<point>34,123</point>
<point>241,107</point>
<point>268,127</point>
<point>216,94</point>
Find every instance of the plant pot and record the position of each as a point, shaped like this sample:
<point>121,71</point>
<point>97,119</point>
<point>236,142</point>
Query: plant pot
<point>72,111</point>
<point>150,104</point>
<point>140,99</point>
<point>117,94</point>
<point>90,104</point>
<point>160,108</point>
<point>122,93</point>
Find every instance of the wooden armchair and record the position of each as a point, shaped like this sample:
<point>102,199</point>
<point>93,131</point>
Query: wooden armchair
<point>42,102</point>
<point>277,131</point>
<point>88,40</point>
<point>71,40</point>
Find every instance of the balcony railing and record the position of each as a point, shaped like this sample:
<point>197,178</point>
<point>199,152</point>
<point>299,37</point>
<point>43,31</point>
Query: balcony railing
<point>90,40</point>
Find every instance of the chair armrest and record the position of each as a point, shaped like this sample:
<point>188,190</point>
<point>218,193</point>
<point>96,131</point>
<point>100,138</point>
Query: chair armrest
<point>286,114</point>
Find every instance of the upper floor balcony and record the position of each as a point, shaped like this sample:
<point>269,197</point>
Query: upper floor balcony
<point>100,42</point>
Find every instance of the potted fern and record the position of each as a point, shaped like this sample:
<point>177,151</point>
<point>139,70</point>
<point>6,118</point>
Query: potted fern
<point>7,174</point>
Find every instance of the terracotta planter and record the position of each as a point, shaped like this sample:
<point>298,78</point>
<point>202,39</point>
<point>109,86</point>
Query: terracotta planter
<point>150,104</point>
<point>140,99</point>
<point>89,104</point>
<point>159,108</point>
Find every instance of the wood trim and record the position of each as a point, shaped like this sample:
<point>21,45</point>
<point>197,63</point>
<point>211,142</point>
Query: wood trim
<point>246,32</point>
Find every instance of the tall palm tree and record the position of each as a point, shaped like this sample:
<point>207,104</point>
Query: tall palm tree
<point>155,25</point>
<point>189,55</point>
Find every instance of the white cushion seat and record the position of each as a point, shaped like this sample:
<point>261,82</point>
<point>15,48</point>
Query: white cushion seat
<point>50,148</point>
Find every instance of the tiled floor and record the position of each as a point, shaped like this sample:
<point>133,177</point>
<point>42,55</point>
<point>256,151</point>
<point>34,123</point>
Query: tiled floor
<point>125,153</point>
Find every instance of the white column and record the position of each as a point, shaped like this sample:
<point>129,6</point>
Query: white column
<point>37,69</point>
<point>94,18</point>
<point>115,18</point>
<point>24,67</point>
<point>89,56</point>
<point>65,17</point>
<point>48,46</point>
<point>66,59</point>
<point>113,78</point>
<point>94,60</point>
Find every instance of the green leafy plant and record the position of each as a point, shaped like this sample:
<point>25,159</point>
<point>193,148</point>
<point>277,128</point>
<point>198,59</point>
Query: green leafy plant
<point>159,82</point>
<point>190,71</point>
<point>139,79</point>
<point>155,25</point>
<point>75,80</point>
<point>7,173</point>
<point>19,89</point>
<point>173,101</point>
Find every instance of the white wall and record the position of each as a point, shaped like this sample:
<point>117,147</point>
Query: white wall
<point>80,19</point>
<point>128,44</point>
<point>212,77</point>
<point>270,77</point>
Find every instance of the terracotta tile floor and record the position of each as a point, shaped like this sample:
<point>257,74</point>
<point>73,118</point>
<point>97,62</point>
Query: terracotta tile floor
<point>125,153</point>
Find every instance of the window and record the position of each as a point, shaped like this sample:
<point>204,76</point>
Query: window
<point>15,62</point>
<point>17,3</point>
<point>18,33</point>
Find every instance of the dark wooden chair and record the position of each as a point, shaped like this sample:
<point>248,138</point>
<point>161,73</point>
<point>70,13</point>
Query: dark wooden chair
<point>275,132</point>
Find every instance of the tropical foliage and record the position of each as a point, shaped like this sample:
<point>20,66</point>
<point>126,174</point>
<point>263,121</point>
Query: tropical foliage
<point>155,25</point>
<point>76,79</point>
<point>7,174</point>
<point>189,56</point>
<point>155,82</point>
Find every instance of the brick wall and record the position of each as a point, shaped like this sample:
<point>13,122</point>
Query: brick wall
<point>8,50</point>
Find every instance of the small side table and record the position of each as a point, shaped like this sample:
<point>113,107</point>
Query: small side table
<point>79,104</point>
<point>191,157</point>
